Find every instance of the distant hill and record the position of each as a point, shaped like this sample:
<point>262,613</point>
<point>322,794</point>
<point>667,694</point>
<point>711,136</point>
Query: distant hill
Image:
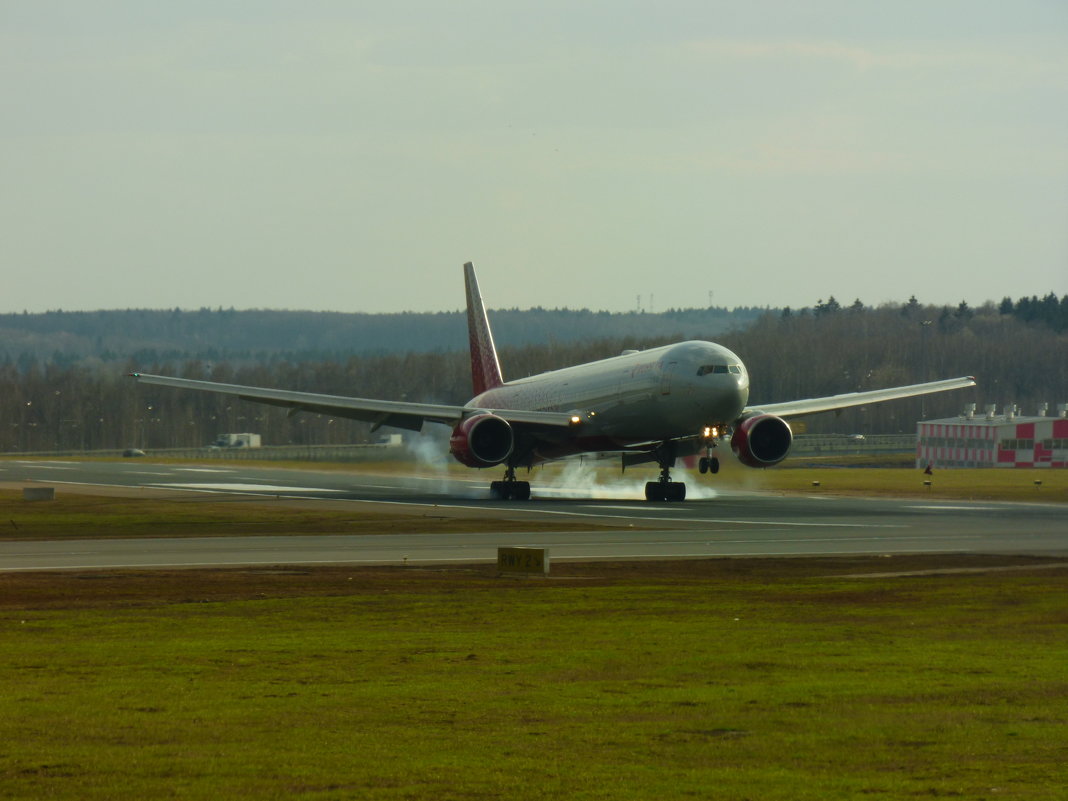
<point>63,337</point>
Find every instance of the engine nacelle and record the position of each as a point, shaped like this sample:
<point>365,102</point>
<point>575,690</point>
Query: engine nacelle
<point>762,440</point>
<point>482,441</point>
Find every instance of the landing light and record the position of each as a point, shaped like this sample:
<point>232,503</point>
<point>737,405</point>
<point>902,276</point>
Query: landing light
<point>575,419</point>
<point>710,432</point>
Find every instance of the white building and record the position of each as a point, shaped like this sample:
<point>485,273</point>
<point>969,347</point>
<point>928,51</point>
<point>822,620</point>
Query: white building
<point>993,440</point>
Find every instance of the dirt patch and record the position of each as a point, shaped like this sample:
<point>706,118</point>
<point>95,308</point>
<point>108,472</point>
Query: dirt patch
<point>111,588</point>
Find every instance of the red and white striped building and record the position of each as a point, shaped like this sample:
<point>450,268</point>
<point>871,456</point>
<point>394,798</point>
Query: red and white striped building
<point>1007,440</point>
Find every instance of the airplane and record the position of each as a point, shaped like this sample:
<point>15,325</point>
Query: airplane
<point>643,406</point>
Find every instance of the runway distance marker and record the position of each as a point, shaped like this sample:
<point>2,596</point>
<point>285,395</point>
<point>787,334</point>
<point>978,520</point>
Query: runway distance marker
<point>523,560</point>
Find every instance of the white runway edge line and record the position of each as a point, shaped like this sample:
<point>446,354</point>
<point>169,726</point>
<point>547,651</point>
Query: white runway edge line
<point>54,467</point>
<point>243,488</point>
<point>35,463</point>
<point>940,508</point>
<point>261,489</point>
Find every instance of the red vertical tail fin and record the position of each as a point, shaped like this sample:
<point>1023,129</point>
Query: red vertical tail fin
<point>485,368</point>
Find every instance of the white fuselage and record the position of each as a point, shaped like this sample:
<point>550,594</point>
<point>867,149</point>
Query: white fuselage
<point>658,394</point>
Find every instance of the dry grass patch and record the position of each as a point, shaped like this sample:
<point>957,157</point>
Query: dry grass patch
<point>124,512</point>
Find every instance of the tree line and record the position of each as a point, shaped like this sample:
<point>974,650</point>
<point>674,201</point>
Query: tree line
<point>263,335</point>
<point>821,350</point>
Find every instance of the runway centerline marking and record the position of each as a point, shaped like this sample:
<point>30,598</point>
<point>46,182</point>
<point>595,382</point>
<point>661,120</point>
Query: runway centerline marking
<point>940,508</point>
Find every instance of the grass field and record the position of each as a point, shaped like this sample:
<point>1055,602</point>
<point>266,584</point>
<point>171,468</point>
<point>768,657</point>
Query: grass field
<point>800,679</point>
<point>732,679</point>
<point>992,484</point>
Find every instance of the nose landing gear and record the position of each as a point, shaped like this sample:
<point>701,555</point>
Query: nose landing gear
<point>709,463</point>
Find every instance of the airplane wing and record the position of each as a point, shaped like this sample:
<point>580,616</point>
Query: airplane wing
<point>398,414</point>
<point>833,402</point>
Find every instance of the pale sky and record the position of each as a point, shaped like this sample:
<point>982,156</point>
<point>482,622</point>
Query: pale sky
<point>350,156</point>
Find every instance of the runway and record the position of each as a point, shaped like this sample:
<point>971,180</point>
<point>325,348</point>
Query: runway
<point>720,523</point>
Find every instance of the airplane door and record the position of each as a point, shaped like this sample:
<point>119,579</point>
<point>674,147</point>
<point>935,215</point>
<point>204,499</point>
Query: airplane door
<point>666,371</point>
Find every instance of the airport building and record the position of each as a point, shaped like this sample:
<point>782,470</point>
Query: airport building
<point>993,440</point>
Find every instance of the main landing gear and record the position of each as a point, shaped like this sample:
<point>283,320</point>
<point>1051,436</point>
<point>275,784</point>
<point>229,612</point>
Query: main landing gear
<point>510,489</point>
<point>664,489</point>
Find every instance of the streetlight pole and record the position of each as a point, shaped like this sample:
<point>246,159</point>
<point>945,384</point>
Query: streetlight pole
<point>924,327</point>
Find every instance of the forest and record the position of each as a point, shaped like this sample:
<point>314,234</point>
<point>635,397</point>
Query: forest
<point>1017,350</point>
<point>259,335</point>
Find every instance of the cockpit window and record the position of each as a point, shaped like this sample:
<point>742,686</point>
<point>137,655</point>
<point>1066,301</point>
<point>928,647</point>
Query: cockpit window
<point>711,368</point>
<point>719,369</point>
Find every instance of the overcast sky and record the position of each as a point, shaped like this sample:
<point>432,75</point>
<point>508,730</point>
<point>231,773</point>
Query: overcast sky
<point>351,156</point>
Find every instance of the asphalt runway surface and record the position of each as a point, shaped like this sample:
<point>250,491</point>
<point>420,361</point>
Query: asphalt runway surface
<point>715,523</point>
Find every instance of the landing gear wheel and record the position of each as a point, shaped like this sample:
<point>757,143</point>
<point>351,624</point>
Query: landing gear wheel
<point>665,491</point>
<point>510,489</point>
<point>708,464</point>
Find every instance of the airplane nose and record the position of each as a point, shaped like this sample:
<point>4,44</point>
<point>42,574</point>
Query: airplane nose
<point>722,398</point>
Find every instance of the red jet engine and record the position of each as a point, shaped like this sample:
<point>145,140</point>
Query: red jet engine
<point>762,440</point>
<point>482,441</point>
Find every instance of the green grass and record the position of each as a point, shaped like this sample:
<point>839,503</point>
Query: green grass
<point>986,485</point>
<point>72,516</point>
<point>730,679</point>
